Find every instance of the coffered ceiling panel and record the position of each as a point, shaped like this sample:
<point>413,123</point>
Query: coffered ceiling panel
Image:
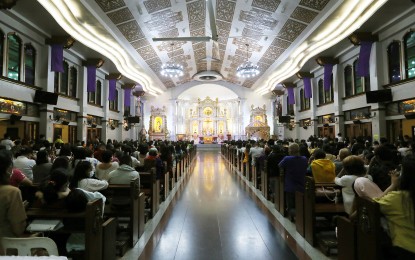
<point>268,27</point>
<point>315,4</point>
<point>269,5</point>
<point>304,15</point>
<point>121,16</point>
<point>156,5</point>
<point>110,5</point>
<point>291,30</point>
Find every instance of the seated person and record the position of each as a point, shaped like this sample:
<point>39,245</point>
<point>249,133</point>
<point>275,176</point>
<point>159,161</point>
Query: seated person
<point>322,169</point>
<point>125,173</point>
<point>106,166</point>
<point>353,167</point>
<point>398,207</point>
<point>82,178</point>
<point>54,189</point>
<point>12,212</point>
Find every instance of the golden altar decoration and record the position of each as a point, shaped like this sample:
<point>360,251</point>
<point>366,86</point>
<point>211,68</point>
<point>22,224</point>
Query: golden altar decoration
<point>258,124</point>
<point>158,123</point>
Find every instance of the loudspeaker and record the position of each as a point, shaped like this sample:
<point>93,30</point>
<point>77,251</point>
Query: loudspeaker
<point>357,122</point>
<point>93,125</point>
<point>14,117</point>
<point>45,97</point>
<point>410,116</point>
<point>326,125</point>
<point>378,96</point>
<point>65,122</point>
<point>284,119</point>
<point>133,120</point>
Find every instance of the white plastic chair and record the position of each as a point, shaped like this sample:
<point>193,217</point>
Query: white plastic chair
<point>24,245</point>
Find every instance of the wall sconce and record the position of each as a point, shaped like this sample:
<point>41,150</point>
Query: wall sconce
<point>56,118</point>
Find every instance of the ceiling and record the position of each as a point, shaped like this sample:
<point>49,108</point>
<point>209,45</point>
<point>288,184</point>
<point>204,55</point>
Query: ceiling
<point>281,34</point>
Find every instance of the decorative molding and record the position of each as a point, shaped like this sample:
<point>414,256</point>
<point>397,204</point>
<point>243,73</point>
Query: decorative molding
<point>67,41</point>
<point>358,37</point>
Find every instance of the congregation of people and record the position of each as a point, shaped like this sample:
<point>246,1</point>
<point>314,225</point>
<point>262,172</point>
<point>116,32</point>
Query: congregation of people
<point>361,167</point>
<point>58,175</point>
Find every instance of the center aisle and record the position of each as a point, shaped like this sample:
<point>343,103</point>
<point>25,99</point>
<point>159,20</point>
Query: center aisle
<point>215,218</point>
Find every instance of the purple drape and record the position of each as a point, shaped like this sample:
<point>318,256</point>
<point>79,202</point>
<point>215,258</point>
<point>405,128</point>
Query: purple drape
<point>307,88</point>
<point>112,89</point>
<point>127,97</point>
<point>328,70</point>
<point>91,78</point>
<point>291,99</point>
<point>56,59</point>
<point>364,56</point>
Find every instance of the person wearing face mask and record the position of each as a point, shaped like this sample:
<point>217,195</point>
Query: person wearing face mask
<point>12,213</point>
<point>82,178</point>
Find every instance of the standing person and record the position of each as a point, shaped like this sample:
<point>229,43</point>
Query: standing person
<point>59,140</point>
<point>7,142</point>
<point>339,138</point>
<point>12,212</point>
<point>24,162</point>
<point>294,168</point>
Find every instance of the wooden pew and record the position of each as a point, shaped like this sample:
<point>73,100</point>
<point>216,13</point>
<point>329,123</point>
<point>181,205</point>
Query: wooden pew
<point>369,230</point>
<point>346,239</point>
<point>240,161</point>
<point>280,195</point>
<point>151,188</point>
<point>134,211</point>
<point>264,179</point>
<point>89,222</point>
<point>312,209</point>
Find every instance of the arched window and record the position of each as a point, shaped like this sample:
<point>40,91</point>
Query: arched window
<point>409,48</point>
<point>328,94</point>
<point>98,93</point>
<point>73,81</point>
<point>1,52</point>
<point>321,92</point>
<point>14,55</point>
<point>348,81</point>
<point>358,87</point>
<point>29,64</point>
<point>302,99</point>
<point>114,104</point>
<point>394,61</point>
<point>290,108</point>
<point>64,79</point>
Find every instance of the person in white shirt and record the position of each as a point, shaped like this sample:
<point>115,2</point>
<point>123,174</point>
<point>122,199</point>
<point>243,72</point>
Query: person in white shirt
<point>104,168</point>
<point>24,162</point>
<point>353,167</point>
<point>7,142</point>
<point>125,173</point>
<point>82,178</point>
<point>255,152</point>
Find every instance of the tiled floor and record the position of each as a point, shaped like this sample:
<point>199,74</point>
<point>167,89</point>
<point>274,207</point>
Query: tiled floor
<point>215,215</point>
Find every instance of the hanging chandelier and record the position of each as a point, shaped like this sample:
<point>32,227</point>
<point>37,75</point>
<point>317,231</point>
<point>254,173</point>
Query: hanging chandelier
<point>171,69</point>
<point>247,69</point>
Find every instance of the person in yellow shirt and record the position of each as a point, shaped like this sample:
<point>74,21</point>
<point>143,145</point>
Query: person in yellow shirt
<point>322,169</point>
<point>398,208</point>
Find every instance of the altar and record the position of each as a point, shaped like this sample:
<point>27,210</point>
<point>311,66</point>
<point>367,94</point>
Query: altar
<point>208,121</point>
<point>208,139</point>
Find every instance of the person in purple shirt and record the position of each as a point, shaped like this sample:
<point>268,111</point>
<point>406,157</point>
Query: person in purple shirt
<point>294,168</point>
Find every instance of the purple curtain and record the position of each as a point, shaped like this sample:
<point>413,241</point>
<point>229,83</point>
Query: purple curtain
<point>364,56</point>
<point>127,97</point>
<point>307,88</point>
<point>91,78</point>
<point>328,70</point>
<point>112,89</point>
<point>291,99</point>
<point>56,62</point>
